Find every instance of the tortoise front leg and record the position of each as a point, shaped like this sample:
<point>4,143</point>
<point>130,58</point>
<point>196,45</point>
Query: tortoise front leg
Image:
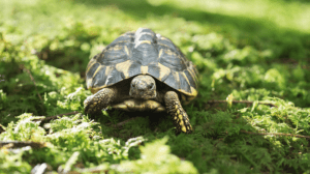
<point>99,100</point>
<point>175,109</point>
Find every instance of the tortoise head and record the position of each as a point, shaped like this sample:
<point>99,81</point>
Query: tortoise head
<point>143,87</point>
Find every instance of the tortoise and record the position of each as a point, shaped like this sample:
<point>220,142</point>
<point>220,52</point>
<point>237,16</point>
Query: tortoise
<point>142,71</point>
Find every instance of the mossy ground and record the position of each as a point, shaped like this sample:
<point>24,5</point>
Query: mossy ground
<point>255,51</point>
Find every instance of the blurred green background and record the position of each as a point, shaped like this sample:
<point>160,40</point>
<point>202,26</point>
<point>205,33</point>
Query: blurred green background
<point>256,51</point>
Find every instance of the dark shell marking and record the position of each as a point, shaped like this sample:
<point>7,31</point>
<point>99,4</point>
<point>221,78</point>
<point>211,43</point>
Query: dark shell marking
<point>142,52</point>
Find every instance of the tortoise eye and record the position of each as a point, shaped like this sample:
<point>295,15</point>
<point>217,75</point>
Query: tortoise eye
<point>133,85</point>
<point>151,86</point>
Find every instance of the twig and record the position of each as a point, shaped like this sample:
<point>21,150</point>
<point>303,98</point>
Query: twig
<point>1,78</point>
<point>18,144</point>
<point>32,79</point>
<point>240,101</point>
<point>47,119</point>
<point>91,170</point>
<point>120,124</point>
<point>2,129</point>
<point>276,134</point>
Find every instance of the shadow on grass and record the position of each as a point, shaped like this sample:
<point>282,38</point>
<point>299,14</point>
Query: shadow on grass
<point>243,31</point>
<point>20,95</point>
<point>221,140</point>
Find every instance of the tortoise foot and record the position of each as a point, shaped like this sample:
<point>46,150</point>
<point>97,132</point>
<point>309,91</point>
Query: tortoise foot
<point>175,109</point>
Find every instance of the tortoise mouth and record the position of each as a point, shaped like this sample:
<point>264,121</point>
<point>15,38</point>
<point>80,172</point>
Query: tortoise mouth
<point>142,94</point>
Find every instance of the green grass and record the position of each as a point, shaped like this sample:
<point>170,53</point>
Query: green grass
<point>244,50</point>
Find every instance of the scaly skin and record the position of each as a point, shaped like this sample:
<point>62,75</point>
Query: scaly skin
<point>175,109</point>
<point>100,100</point>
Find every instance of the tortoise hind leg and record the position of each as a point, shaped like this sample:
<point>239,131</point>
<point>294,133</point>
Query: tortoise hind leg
<point>175,109</point>
<point>100,100</point>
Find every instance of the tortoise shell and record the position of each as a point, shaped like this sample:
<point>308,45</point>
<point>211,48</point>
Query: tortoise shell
<point>142,52</point>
